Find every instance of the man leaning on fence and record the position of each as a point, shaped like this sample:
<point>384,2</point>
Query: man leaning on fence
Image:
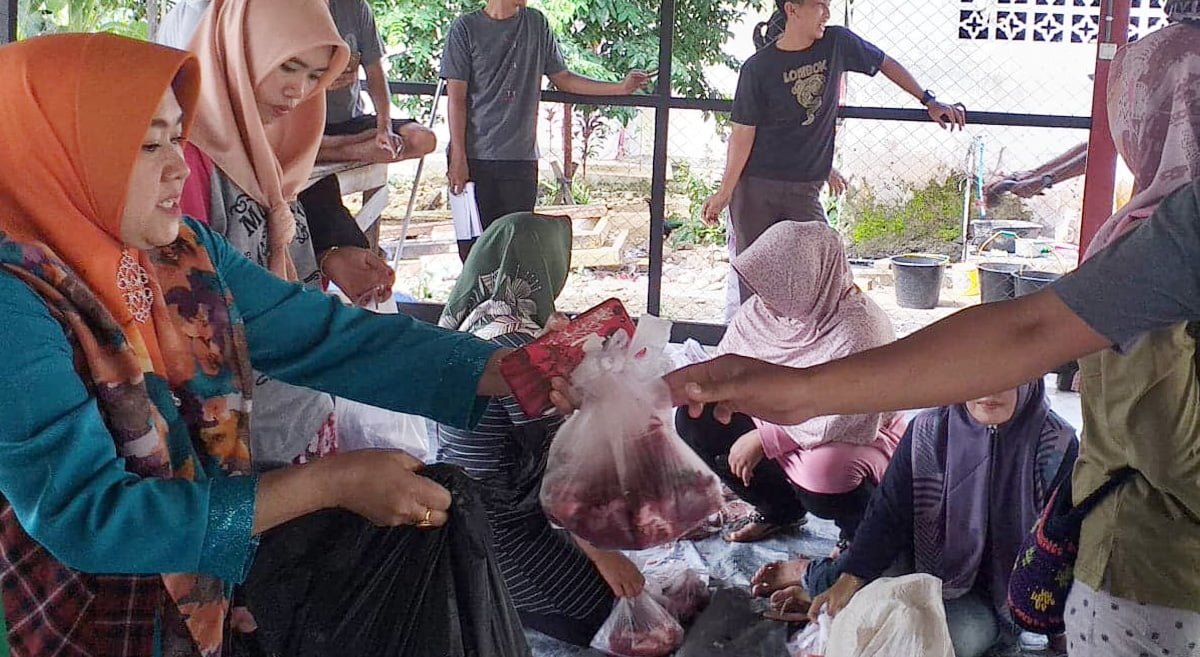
<point>784,119</point>
<point>493,66</point>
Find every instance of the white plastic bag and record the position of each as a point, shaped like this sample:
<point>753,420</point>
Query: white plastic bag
<point>361,426</point>
<point>617,474</point>
<point>893,616</point>
<point>689,352</point>
<point>811,641</point>
<point>639,627</point>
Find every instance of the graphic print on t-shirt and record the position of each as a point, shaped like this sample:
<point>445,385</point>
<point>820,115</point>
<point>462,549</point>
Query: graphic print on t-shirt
<point>808,86</point>
<point>790,97</point>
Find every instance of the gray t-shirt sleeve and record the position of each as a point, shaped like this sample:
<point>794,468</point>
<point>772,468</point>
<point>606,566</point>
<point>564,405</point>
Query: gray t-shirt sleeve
<point>369,42</point>
<point>456,58</point>
<point>1147,280</point>
<point>552,58</point>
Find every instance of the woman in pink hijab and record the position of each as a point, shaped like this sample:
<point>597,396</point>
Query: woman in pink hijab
<point>261,113</point>
<point>805,310</point>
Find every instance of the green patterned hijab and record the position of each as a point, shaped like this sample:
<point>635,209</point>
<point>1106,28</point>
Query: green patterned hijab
<point>510,281</point>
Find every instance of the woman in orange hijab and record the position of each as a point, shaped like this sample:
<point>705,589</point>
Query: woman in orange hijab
<point>128,507</point>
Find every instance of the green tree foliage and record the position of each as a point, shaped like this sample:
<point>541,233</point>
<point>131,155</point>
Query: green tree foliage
<point>127,17</point>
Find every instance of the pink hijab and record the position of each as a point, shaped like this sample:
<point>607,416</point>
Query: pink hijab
<point>1154,110</point>
<point>806,310</point>
<point>238,43</point>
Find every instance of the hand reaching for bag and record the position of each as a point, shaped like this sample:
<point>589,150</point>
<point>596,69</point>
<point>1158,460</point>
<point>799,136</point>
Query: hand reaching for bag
<point>385,487</point>
<point>836,597</point>
<point>621,574</point>
<point>360,273</point>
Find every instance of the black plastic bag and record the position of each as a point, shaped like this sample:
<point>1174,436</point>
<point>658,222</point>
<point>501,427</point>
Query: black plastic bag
<point>733,626</point>
<point>331,583</point>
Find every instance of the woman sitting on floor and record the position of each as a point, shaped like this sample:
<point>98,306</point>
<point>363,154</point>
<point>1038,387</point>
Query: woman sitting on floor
<point>806,310</point>
<point>561,585</point>
<point>964,488</point>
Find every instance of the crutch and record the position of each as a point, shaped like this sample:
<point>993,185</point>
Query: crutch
<point>412,196</point>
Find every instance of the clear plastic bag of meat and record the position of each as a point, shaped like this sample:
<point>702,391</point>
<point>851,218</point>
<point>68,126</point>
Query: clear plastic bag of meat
<point>639,627</point>
<point>617,474</point>
<point>684,593</point>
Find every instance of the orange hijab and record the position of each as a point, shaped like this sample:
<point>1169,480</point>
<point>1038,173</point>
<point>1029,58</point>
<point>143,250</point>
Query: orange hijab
<point>75,165</point>
<point>238,43</point>
<point>75,110</point>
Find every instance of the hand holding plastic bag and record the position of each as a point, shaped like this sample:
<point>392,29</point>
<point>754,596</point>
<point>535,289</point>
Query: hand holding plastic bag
<point>639,627</point>
<point>811,641</point>
<point>893,616</point>
<point>618,475</point>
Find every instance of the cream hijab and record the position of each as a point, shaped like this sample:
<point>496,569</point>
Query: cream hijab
<point>238,43</point>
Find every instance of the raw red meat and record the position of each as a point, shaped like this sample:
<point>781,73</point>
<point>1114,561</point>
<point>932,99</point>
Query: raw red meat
<point>654,642</point>
<point>617,474</point>
<point>648,503</point>
<point>639,627</point>
<point>684,595</point>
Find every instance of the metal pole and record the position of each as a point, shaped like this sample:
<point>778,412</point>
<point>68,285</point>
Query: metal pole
<point>658,179</point>
<point>8,21</point>
<point>412,196</point>
<point>152,19</point>
<point>1101,174</point>
<point>966,215</point>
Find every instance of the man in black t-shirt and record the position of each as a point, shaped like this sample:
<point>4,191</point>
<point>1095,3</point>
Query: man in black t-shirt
<point>784,116</point>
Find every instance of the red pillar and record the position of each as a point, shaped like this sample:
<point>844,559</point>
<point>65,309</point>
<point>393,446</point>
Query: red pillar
<point>1100,179</point>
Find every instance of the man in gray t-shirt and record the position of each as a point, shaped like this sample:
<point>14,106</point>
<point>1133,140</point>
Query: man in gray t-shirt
<point>493,66</point>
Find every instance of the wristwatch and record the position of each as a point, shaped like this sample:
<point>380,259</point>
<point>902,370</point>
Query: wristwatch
<point>928,97</point>
<point>1047,181</point>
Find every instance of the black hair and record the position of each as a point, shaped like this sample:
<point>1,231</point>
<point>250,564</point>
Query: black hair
<point>768,32</point>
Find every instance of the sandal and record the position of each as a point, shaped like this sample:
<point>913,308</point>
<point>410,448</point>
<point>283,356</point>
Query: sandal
<point>769,528</point>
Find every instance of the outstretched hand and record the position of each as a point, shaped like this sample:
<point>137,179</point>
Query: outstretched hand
<point>736,384</point>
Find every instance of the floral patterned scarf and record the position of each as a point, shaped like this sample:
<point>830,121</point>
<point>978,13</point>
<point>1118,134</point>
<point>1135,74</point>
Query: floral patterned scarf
<point>83,102</point>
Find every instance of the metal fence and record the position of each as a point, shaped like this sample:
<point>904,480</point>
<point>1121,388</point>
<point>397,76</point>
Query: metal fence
<point>1020,66</point>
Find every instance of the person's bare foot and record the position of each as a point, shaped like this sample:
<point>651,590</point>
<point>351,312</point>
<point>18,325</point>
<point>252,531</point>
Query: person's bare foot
<point>790,605</point>
<point>777,576</point>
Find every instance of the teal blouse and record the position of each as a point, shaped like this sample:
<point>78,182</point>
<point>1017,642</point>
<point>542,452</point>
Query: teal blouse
<point>59,468</point>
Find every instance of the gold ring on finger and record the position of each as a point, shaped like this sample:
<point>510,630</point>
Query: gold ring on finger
<point>426,521</point>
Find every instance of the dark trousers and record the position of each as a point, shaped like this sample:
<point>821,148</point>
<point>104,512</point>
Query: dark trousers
<point>502,187</point>
<point>759,203</point>
<point>770,492</point>
<point>362,123</point>
<point>575,631</point>
<point>330,223</point>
